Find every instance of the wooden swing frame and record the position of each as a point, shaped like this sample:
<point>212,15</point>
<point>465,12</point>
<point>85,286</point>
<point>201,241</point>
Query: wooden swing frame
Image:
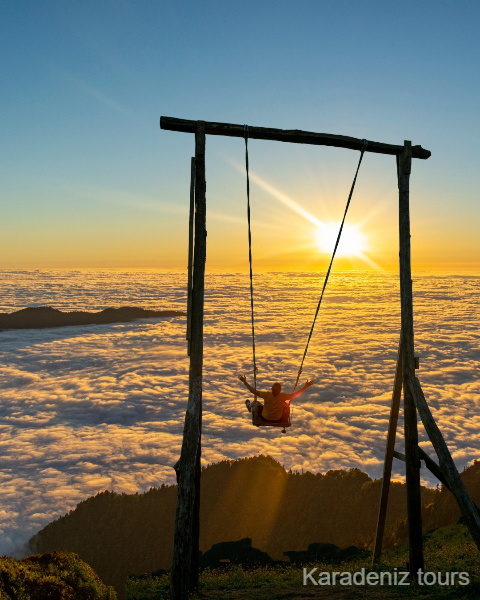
<point>184,574</point>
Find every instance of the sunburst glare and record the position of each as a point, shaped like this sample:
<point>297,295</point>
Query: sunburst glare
<point>352,243</point>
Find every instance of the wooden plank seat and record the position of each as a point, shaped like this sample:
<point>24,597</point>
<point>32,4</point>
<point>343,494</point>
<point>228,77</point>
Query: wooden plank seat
<point>259,421</point>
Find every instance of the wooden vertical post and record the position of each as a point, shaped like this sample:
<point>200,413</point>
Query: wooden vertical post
<point>387,465</point>
<point>414,503</point>
<point>190,254</point>
<point>189,458</point>
<point>195,560</point>
<point>194,565</point>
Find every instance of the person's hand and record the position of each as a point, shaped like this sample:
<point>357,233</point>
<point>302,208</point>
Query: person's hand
<point>242,378</point>
<point>309,383</point>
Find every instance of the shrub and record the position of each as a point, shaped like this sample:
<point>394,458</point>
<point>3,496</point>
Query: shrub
<point>59,575</point>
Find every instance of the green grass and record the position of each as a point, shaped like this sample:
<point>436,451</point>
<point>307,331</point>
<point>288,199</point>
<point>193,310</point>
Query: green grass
<point>446,550</point>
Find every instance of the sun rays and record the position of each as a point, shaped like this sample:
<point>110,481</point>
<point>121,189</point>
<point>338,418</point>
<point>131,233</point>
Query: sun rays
<point>354,242</point>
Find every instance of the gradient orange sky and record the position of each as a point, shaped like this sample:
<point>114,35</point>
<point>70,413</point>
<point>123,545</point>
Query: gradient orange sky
<point>88,180</point>
<point>297,205</point>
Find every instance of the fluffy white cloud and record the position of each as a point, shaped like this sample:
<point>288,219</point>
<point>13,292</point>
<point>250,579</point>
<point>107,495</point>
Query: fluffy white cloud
<point>84,409</point>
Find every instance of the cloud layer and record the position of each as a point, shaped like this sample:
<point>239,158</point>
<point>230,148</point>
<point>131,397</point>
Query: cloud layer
<point>84,409</point>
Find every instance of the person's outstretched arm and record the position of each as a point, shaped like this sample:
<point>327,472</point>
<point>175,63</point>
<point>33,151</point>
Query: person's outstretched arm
<point>243,379</point>
<point>301,390</point>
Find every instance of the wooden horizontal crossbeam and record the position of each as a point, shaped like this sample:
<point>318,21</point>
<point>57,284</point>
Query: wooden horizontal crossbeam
<point>294,136</point>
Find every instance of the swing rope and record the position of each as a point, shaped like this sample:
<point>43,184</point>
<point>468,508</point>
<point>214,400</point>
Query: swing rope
<point>245,134</point>
<point>331,262</point>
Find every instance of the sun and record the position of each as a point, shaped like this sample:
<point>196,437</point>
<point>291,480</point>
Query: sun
<point>352,243</point>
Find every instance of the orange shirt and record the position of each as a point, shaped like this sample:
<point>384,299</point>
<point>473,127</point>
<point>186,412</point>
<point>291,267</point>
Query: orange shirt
<point>273,405</point>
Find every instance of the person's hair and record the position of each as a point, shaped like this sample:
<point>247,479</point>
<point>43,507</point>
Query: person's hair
<point>276,389</point>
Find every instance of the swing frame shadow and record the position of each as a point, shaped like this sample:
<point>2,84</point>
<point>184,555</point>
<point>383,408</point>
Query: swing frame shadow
<point>185,551</point>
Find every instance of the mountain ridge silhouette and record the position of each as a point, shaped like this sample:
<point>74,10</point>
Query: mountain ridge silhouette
<point>41,317</point>
<point>280,511</point>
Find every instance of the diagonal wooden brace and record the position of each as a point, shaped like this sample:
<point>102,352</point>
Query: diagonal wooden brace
<point>447,466</point>
<point>433,468</point>
<point>387,464</point>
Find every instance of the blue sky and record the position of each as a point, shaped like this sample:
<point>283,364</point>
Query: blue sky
<point>88,179</point>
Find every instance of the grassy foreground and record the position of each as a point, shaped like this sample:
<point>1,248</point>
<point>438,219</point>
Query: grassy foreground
<point>448,549</point>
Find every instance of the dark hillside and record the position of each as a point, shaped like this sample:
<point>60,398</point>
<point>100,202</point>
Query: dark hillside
<point>120,533</point>
<point>41,317</point>
<point>252,498</point>
<point>445,510</point>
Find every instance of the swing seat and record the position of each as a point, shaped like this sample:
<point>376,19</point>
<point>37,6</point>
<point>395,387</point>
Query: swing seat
<point>259,421</point>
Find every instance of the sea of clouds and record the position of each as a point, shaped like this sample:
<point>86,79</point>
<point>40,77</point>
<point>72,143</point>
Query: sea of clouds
<point>90,408</point>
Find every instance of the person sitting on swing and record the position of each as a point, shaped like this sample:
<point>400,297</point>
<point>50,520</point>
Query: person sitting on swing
<point>275,401</point>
